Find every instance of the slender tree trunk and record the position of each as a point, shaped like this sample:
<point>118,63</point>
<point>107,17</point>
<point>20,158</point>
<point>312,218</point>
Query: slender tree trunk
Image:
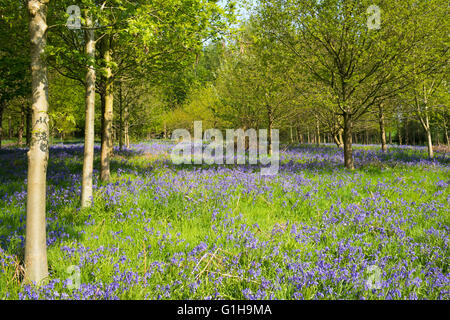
<point>102,107</point>
<point>429,144</point>
<point>28,125</point>
<point>348,152</point>
<point>2,107</point>
<point>337,138</point>
<point>21,127</point>
<point>10,128</point>
<point>336,135</point>
<point>126,126</point>
<point>425,122</point>
<point>317,132</point>
<point>341,140</point>
<point>407,132</point>
<point>446,136</point>
<point>308,137</point>
<point>426,126</point>
<point>88,163</point>
<point>36,269</point>
<point>121,125</point>
<point>107,142</point>
<point>270,124</point>
<point>382,128</point>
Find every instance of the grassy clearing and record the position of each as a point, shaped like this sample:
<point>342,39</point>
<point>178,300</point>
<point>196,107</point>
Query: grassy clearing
<point>158,231</point>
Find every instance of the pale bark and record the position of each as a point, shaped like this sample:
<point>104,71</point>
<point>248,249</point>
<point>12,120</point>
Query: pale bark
<point>21,127</point>
<point>126,126</point>
<point>407,132</point>
<point>107,137</point>
<point>88,163</point>
<point>121,126</point>
<point>36,269</point>
<point>337,138</point>
<point>382,128</point>
<point>429,144</point>
<point>270,124</point>
<point>317,132</point>
<point>424,120</point>
<point>426,127</point>
<point>348,152</point>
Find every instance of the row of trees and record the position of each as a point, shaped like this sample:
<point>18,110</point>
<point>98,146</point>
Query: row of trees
<point>107,46</point>
<point>316,70</point>
<point>319,70</point>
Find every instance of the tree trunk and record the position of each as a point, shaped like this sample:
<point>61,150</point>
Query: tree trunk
<point>337,136</point>
<point>21,127</point>
<point>29,125</point>
<point>348,152</point>
<point>429,144</point>
<point>121,126</point>
<point>382,128</point>
<point>36,269</point>
<point>337,140</point>
<point>127,126</point>
<point>270,124</point>
<point>299,135</point>
<point>407,132</point>
<point>88,163</point>
<point>2,107</point>
<point>425,122</point>
<point>317,133</point>
<point>446,136</point>
<point>102,107</point>
<point>10,128</point>
<point>341,140</point>
<point>107,141</point>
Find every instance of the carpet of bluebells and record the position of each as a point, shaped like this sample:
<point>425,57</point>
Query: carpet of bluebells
<point>164,231</point>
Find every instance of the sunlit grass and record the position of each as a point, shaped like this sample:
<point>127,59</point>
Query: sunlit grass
<point>139,238</point>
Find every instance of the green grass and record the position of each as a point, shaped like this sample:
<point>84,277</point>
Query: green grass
<point>254,230</point>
